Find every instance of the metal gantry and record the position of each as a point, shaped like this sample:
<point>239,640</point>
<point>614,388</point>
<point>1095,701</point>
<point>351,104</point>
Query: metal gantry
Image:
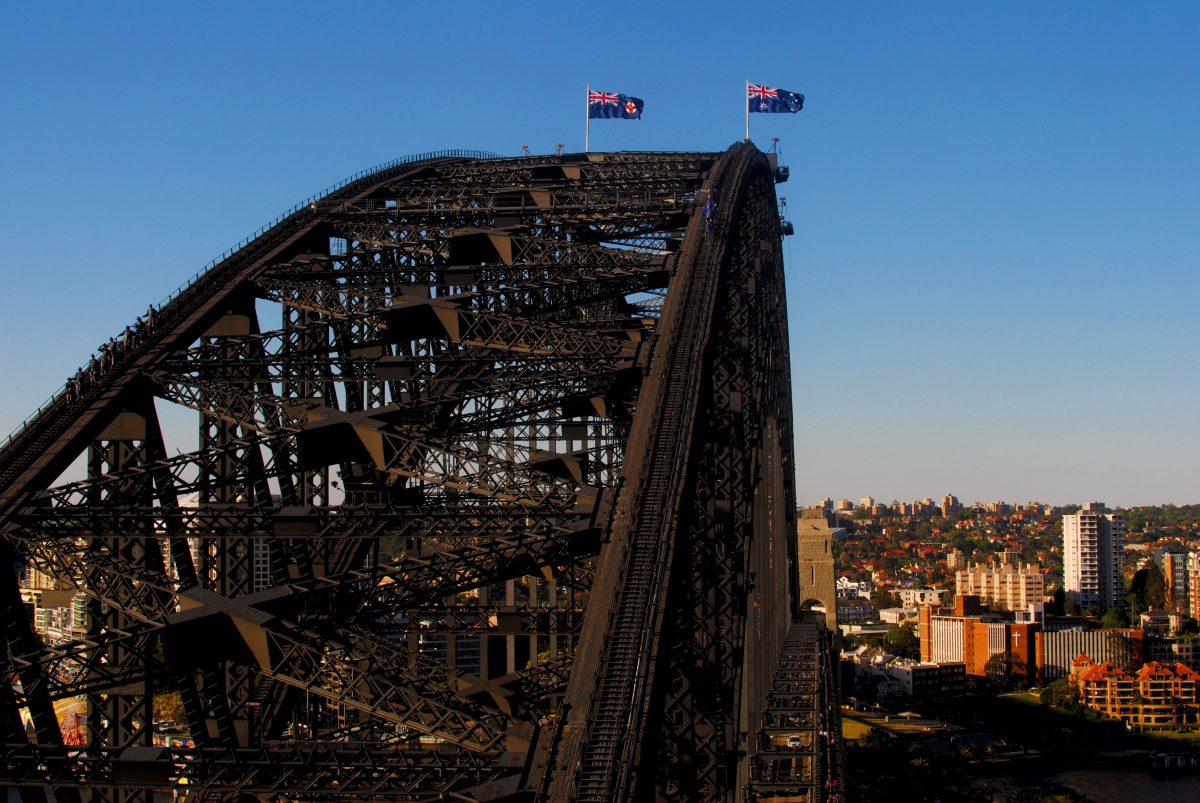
<point>799,754</point>
<point>490,495</point>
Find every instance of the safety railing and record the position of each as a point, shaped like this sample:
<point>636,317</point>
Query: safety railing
<point>61,396</point>
<point>418,157</point>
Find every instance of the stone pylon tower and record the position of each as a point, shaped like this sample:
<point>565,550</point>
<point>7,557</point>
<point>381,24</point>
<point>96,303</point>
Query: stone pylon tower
<point>814,561</point>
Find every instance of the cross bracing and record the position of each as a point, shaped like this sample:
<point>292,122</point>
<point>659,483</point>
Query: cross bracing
<point>489,457</point>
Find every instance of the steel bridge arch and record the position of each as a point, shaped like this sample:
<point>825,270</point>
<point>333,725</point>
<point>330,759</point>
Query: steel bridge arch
<point>502,507</point>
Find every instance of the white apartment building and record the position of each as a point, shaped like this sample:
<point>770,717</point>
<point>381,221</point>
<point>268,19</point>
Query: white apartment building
<point>1005,586</point>
<point>1193,576</point>
<point>1093,556</point>
<point>853,588</point>
<point>914,597</point>
<point>955,559</point>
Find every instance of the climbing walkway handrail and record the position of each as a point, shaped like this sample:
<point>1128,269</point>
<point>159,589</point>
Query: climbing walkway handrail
<point>60,397</point>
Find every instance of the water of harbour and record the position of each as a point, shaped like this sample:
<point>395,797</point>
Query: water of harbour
<point>1122,785</point>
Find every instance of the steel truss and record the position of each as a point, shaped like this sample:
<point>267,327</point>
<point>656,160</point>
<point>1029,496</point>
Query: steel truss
<point>490,495</point>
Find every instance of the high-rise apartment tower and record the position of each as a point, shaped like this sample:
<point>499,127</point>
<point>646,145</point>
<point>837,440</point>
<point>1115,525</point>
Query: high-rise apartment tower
<point>1093,556</point>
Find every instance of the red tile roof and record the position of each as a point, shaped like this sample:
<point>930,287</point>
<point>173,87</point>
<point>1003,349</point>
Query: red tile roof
<point>1103,672</point>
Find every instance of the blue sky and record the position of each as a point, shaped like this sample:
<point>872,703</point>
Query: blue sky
<point>993,283</point>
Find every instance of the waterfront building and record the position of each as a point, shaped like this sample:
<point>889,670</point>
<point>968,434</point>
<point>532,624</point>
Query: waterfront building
<point>1093,556</point>
<point>1155,695</point>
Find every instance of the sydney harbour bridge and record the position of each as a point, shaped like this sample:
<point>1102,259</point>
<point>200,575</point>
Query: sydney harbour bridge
<point>490,498</point>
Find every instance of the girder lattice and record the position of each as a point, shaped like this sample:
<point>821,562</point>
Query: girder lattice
<point>490,493</point>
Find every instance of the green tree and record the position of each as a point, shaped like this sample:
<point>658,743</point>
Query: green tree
<point>1147,589</point>
<point>878,737</point>
<point>1062,693</point>
<point>1156,588</point>
<point>1002,667</point>
<point>903,642</point>
<point>885,599</point>
<point>1115,617</point>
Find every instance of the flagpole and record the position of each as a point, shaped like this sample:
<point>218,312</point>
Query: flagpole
<point>587,117</point>
<point>746,100</point>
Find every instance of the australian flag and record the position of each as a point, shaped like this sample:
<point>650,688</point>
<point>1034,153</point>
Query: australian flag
<point>768,99</point>
<point>608,105</point>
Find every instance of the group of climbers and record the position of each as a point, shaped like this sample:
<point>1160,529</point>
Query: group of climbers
<point>107,355</point>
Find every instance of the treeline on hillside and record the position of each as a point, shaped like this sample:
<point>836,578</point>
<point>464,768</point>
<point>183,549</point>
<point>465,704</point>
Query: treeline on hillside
<point>1162,519</point>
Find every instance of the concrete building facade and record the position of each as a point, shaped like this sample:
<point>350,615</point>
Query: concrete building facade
<point>915,597</point>
<point>1006,586</point>
<point>1093,556</point>
<point>925,681</point>
<point>1174,565</point>
<point>1193,574</point>
<point>1057,649</point>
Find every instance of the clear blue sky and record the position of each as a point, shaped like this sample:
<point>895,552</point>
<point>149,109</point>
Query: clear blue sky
<point>993,283</point>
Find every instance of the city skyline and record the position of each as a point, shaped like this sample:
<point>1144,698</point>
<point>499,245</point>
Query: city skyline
<point>991,280</point>
<point>935,501</point>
